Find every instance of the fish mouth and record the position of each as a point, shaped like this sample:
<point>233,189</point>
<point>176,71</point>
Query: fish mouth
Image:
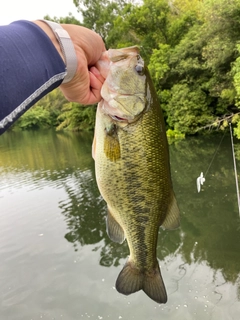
<point>115,114</point>
<point>117,111</point>
<point>125,121</point>
<point>117,118</point>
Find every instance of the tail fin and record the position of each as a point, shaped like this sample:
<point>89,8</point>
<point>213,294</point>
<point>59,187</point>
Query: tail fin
<point>131,280</point>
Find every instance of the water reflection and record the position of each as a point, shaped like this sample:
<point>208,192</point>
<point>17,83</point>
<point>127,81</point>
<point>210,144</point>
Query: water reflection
<point>85,213</point>
<point>200,260</point>
<point>210,218</point>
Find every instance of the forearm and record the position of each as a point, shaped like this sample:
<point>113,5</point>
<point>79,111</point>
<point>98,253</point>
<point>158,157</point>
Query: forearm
<point>31,65</point>
<point>49,32</point>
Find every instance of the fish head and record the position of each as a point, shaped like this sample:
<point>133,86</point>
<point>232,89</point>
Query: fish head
<point>124,89</point>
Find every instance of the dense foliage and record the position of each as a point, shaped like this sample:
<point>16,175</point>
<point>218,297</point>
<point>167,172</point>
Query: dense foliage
<point>54,110</point>
<point>192,50</point>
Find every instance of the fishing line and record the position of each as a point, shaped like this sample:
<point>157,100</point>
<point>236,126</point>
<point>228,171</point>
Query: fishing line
<point>201,179</point>
<point>235,168</point>
<point>215,153</point>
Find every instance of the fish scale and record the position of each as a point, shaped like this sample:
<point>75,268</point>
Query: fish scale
<point>133,174</point>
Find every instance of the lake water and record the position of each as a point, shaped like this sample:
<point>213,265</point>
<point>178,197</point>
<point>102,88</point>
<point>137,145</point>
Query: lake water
<point>57,262</point>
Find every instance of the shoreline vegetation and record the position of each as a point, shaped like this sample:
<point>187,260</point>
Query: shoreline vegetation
<point>191,47</point>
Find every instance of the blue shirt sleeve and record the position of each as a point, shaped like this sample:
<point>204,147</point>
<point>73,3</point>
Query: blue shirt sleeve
<point>30,67</point>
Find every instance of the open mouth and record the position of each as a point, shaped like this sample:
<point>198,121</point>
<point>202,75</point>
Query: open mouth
<point>118,118</point>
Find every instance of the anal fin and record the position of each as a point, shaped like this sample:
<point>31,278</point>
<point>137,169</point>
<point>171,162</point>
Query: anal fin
<point>172,220</point>
<point>114,230</point>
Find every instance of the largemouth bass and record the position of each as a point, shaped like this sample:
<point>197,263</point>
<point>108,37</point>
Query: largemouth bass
<point>132,168</point>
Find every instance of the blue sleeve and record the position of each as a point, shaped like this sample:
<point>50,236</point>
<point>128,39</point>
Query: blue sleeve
<point>30,67</point>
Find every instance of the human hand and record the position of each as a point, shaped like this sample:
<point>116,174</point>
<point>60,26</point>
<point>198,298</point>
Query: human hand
<point>86,85</point>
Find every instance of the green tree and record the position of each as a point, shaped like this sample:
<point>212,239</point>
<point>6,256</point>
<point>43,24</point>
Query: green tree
<point>43,114</point>
<point>150,22</point>
<point>236,77</point>
<point>121,34</point>
<point>191,48</point>
<point>187,108</point>
<point>70,19</point>
<point>35,118</point>
<point>222,31</point>
<point>99,15</point>
<point>148,25</point>
<point>76,117</point>
<point>199,66</point>
<point>183,6</point>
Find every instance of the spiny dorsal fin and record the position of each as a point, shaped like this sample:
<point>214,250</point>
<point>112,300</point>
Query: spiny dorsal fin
<point>172,220</point>
<point>114,230</point>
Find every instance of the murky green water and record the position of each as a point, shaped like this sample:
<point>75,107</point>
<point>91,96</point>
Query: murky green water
<point>56,261</point>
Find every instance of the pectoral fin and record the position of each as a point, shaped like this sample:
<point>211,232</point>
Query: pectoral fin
<point>172,220</point>
<point>111,144</point>
<point>94,147</point>
<point>114,230</point>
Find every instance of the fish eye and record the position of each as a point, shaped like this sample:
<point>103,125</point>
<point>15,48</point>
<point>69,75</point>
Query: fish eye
<point>140,69</point>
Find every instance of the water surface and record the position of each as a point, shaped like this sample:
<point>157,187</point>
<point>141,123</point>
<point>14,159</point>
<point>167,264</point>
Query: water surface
<point>57,261</point>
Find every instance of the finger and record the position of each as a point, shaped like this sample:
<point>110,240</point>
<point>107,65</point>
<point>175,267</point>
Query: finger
<point>97,74</point>
<point>95,87</point>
